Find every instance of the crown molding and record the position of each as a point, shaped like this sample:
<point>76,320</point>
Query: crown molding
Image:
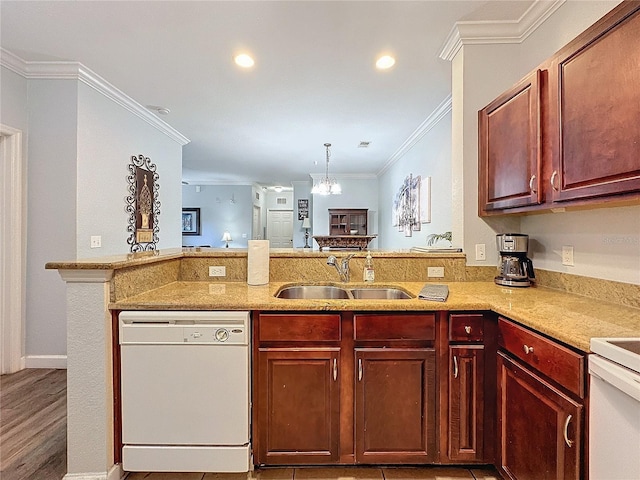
<point>77,71</point>
<point>494,32</point>
<point>432,120</point>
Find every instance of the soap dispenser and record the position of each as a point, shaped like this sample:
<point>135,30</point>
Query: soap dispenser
<point>368,274</point>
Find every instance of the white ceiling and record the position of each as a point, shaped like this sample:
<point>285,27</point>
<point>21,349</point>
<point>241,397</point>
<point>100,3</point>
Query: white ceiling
<point>314,80</point>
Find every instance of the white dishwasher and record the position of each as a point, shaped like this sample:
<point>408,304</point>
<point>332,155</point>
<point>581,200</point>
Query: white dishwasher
<point>614,409</point>
<point>185,391</point>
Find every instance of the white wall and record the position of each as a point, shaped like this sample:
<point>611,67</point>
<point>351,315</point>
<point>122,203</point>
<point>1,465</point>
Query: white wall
<point>606,242</point>
<point>301,190</point>
<point>108,136</point>
<point>51,204</point>
<point>77,146</point>
<point>357,192</point>
<point>486,71</point>
<point>429,157</point>
<point>218,214</point>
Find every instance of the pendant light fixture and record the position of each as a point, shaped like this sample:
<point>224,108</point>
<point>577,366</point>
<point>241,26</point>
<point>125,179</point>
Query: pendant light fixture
<point>326,185</point>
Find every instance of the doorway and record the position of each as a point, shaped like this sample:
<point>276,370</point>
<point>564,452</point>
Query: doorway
<point>256,223</point>
<point>12,250</point>
<point>280,228</point>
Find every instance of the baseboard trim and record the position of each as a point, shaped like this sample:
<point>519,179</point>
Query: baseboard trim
<point>85,476</point>
<point>114,473</point>
<point>45,361</point>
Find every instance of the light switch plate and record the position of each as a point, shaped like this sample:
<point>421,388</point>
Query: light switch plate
<point>567,255</point>
<point>481,253</point>
<point>435,272</point>
<point>217,271</point>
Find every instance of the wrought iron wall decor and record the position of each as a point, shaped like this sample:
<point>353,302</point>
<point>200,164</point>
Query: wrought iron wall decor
<point>411,207</point>
<point>143,205</point>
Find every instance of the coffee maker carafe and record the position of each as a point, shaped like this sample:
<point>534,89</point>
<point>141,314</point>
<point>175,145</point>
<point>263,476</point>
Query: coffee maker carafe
<point>515,269</point>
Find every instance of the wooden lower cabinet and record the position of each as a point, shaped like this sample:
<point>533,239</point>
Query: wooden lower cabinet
<point>298,406</point>
<point>466,403</point>
<point>395,396</point>
<point>539,427</point>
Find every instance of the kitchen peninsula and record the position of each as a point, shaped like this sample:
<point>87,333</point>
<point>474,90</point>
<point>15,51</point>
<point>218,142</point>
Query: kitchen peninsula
<point>178,280</point>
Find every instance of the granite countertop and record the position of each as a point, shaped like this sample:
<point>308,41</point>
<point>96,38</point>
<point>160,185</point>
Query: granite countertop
<point>571,319</point>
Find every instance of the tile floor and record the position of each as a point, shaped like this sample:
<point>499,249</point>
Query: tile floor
<point>337,473</point>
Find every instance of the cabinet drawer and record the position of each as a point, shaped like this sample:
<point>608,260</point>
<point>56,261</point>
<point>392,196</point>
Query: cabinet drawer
<point>299,328</point>
<point>560,364</point>
<point>394,327</point>
<point>466,327</point>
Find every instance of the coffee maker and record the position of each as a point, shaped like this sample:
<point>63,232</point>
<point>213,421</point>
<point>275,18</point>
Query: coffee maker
<point>515,269</point>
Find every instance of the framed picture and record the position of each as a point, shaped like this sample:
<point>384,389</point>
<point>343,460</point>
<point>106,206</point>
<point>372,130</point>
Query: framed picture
<point>142,204</point>
<point>190,221</point>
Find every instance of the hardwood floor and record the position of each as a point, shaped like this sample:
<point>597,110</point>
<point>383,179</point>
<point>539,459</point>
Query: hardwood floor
<point>33,443</point>
<point>33,425</point>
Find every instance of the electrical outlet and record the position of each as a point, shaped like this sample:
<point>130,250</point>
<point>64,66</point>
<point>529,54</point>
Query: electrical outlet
<point>96,241</point>
<point>217,271</point>
<point>481,253</point>
<point>567,255</point>
<point>435,272</point>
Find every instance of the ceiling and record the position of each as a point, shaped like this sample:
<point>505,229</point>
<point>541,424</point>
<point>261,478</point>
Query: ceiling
<point>314,80</point>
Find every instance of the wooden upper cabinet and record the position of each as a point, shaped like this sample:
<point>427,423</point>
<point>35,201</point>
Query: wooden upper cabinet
<point>595,109</point>
<point>567,134</point>
<point>509,147</point>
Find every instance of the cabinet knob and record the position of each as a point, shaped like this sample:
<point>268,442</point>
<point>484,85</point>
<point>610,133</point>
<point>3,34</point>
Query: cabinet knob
<point>531,182</point>
<point>467,329</point>
<point>528,350</point>
<point>553,180</point>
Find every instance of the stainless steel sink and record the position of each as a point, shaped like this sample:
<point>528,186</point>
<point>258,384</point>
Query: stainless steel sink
<point>328,292</point>
<point>313,292</point>
<point>382,293</point>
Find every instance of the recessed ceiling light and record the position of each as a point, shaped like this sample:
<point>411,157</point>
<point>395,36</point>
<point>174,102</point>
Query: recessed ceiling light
<point>385,62</point>
<point>243,60</point>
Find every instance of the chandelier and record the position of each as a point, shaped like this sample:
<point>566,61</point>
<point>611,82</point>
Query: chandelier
<point>326,185</point>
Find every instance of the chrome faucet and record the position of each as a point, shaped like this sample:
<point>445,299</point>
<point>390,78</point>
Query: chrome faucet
<point>343,268</point>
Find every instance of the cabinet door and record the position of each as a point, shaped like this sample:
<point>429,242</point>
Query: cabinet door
<point>395,405</point>
<point>298,406</point>
<point>510,148</point>
<point>595,109</point>
<point>466,402</point>
<point>540,428</point>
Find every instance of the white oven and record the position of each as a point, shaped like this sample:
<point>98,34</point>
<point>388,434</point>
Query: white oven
<point>185,391</point>
<point>614,409</point>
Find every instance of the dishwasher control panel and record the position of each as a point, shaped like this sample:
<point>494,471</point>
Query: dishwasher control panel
<point>163,327</point>
<point>215,334</point>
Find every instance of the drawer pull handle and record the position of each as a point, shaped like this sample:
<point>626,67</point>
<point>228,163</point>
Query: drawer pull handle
<point>553,180</point>
<point>455,366</point>
<point>467,329</point>
<point>528,350</point>
<point>531,180</point>
<point>359,369</point>
<point>566,432</point>
<point>335,369</point>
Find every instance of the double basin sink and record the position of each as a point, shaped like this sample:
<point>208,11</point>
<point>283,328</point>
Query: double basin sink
<point>332,292</point>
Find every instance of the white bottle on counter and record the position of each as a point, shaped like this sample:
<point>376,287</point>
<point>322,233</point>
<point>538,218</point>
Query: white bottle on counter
<point>368,274</point>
